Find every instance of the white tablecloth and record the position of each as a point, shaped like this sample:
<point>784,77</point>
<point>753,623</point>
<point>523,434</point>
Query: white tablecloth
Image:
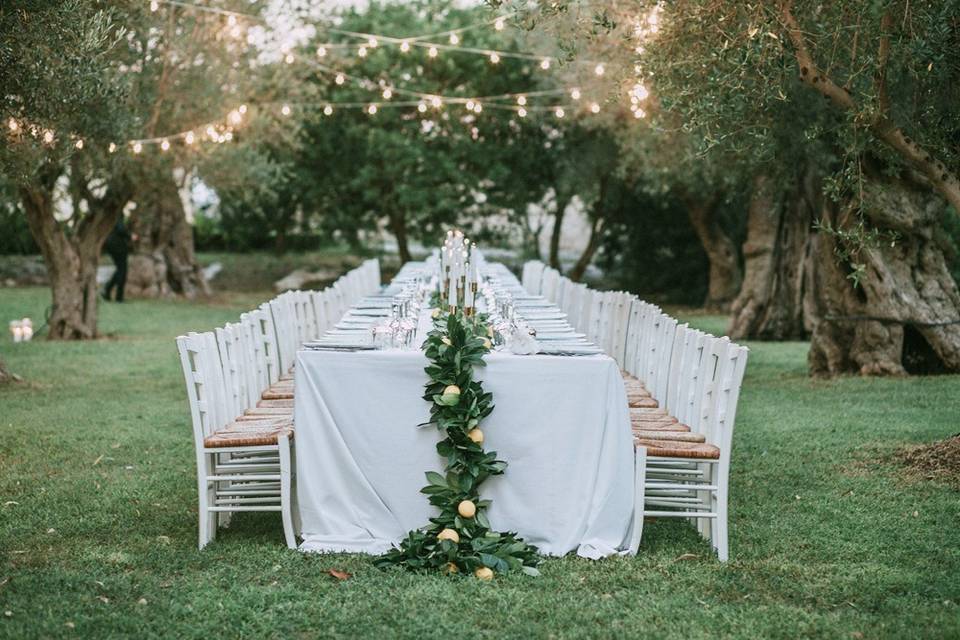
<point>561,423</point>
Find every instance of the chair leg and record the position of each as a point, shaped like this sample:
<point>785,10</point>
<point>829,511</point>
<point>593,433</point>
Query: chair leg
<point>285,497</point>
<point>295,502</point>
<point>707,498</point>
<point>720,529</point>
<point>207,498</point>
<point>639,480</point>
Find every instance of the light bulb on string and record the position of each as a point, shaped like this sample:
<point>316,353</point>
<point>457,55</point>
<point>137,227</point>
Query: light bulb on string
<point>478,108</point>
<point>79,144</point>
<point>137,147</point>
<point>228,136</point>
<point>599,69</point>
<point>499,24</point>
<point>321,52</point>
<point>234,117</point>
<point>14,125</point>
<point>231,20</point>
<point>469,105</point>
<point>189,138</point>
<point>522,112</point>
<point>387,93</point>
<point>328,110</point>
<point>154,5</point>
<point>288,58</point>
<point>639,113</point>
<point>112,148</point>
<point>242,108</point>
<point>48,136</point>
<point>285,109</point>
<point>372,43</point>
<point>454,39</point>
<point>372,109</point>
<point>521,100</point>
<point>494,57</point>
<point>165,145</point>
<point>422,107</point>
<point>559,112</point>
<point>340,79</point>
<point>432,52</point>
<point>404,46</point>
<point>362,52</point>
<point>545,64</point>
<point>575,93</point>
<point>436,102</point>
<point>594,107</point>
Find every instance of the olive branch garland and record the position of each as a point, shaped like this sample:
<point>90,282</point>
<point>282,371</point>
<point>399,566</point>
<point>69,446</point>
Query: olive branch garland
<point>459,538</point>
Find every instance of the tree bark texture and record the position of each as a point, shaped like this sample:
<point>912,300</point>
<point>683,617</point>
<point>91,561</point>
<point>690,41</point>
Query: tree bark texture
<point>557,232</point>
<point>775,298</point>
<point>724,276</point>
<point>904,317</point>
<point>164,262</point>
<point>580,268</point>
<point>398,225</point>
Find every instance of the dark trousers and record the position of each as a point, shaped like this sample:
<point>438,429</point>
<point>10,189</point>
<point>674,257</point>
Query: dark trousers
<point>119,278</point>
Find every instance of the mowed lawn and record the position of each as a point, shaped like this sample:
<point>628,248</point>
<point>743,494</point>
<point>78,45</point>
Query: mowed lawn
<point>98,524</point>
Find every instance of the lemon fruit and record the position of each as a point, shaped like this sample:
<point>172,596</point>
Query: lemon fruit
<point>449,534</point>
<point>467,509</point>
<point>450,568</point>
<point>484,573</point>
<point>476,435</point>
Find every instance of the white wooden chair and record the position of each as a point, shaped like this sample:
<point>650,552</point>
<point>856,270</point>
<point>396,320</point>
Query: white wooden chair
<point>691,479</point>
<point>532,276</point>
<point>241,466</point>
<point>550,284</point>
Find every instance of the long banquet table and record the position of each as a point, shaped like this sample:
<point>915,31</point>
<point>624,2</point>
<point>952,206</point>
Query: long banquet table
<point>561,423</point>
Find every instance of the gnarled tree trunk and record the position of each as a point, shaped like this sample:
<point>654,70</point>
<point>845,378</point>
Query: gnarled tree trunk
<point>557,232</point>
<point>71,255</point>
<point>586,257</point>
<point>904,317</point>
<point>5,375</point>
<point>164,262</point>
<point>725,277</point>
<point>774,300</point>
<point>398,225</point>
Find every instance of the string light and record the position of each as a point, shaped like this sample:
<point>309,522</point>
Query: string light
<point>522,112</point>
<point>432,52</point>
<point>405,46</point>
<point>362,52</point>
<point>387,93</point>
<point>545,64</point>
<point>285,109</point>
<point>189,138</point>
<point>422,107</point>
<point>232,20</point>
<point>340,79</point>
<point>165,145</point>
<point>521,100</point>
<point>137,147</point>
<point>321,52</point>
<point>112,148</point>
<point>79,144</point>
<point>478,108</point>
<point>289,58</point>
<point>154,5</point>
<point>211,132</point>
<point>372,43</point>
<point>48,136</point>
<point>234,117</point>
<point>599,69</point>
<point>639,113</point>
<point>494,57</point>
<point>14,126</point>
<point>575,93</point>
<point>328,110</point>
<point>436,102</point>
<point>372,109</point>
<point>454,39</point>
<point>559,112</point>
<point>469,105</point>
<point>242,108</point>
<point>594,107</point>
<point>499,24</point>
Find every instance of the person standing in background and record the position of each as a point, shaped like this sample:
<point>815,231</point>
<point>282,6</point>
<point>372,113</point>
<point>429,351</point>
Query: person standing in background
<point>117,245</point>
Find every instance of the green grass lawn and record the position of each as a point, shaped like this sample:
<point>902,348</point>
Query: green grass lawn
<point>98,524</point>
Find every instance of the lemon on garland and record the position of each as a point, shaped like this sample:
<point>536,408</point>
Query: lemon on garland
<point>484,573</point>
<point>445,340</point>
<point>435,314</point>
<point>476,435</point>
<point>467,509</point>
<point>449,534</point>
<point>450,568</point>
<point>487,343</point>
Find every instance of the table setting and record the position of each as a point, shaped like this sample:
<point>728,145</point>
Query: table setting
<point>552,405</point>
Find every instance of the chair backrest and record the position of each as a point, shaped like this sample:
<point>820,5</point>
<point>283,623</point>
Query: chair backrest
<point>690,377</point>
<point>632,343</point>
<point>551,281</point>
<point>232,364</point>
<point>621,321</point>
<point>268,338</point>
<point>192,355</point>
<point>256,372</point>
<point>680,350</point>
<point>726,394</point>
<point>532,276</point>
<point>648,329</point>
<point>573,304</point>
<point>593,310</point>
<point>660,372</point>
